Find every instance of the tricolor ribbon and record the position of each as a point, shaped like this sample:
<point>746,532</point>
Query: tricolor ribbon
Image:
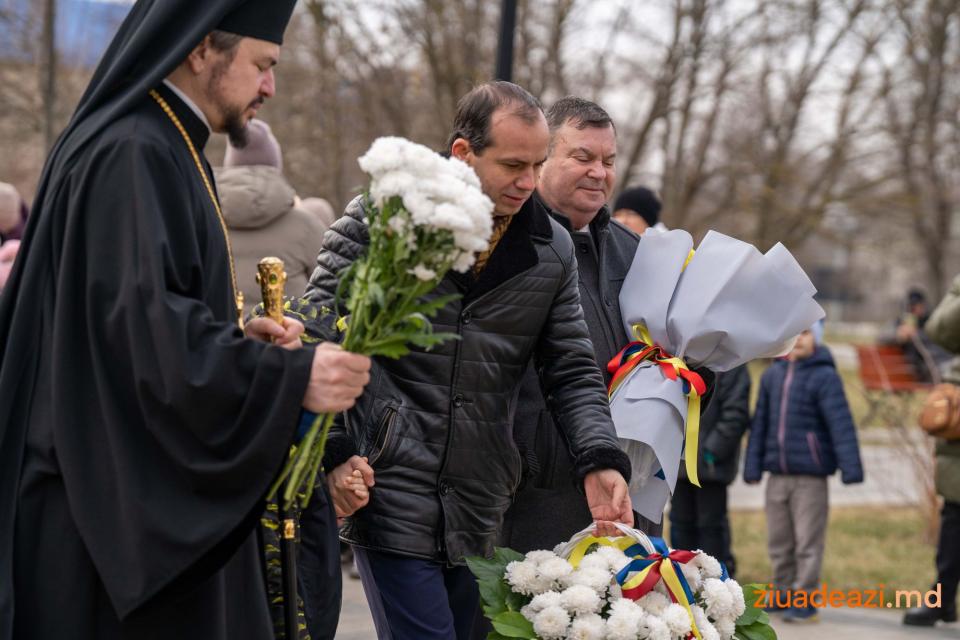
<point>661,565</point>
<point>673,368</point>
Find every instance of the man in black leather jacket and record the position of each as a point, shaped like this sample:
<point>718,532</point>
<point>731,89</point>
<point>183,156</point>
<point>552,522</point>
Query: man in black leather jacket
<point>575,184</point>
<point>437,426</point>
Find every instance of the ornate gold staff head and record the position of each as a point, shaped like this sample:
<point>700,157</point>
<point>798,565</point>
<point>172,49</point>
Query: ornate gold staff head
<point>271,277</point>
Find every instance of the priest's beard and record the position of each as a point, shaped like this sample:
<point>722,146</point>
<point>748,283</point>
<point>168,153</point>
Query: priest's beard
<point>236,128</point>
<point>234,123</point>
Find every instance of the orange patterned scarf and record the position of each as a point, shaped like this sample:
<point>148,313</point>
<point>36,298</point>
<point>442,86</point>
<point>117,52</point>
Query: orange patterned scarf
<point>500,224</point>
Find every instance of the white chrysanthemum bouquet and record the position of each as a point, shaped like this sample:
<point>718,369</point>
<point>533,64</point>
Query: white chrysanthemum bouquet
<point>629,588</point>
<point>426,214</point>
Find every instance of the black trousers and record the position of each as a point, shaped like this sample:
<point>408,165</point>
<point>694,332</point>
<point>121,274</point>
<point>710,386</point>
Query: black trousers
<point>948,553</point>
<point>698,520</point>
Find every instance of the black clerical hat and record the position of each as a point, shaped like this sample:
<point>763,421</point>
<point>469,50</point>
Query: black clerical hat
<point>261,19</point>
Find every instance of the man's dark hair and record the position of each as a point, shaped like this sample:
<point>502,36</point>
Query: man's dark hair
<point>475,110</point>
<point>225,42</point>
<point>579,112</point>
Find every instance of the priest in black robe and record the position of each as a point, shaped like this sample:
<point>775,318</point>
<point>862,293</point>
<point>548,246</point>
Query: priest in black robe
<point>140,429</point>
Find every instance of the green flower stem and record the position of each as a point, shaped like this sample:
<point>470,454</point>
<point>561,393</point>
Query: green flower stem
<point>317,462</point>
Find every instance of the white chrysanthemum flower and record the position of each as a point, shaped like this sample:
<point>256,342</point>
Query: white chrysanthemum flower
<point>709,632</point>
<point>580,599</point>
<point>596,579</point>
<point>736,591</point>
<point>423,273</point>
<point>551,623</point>
<point>437,192</point>
<point>540,556</point>
<point>717,598</point>
<point>626,607</point>
<point>543,600</point>
<point>708,564</point>
<point>554,569</point>
<point>522,577</point>
<point>623,627</point>
<point>587,627</point>
<point>594,561</point>
<point>654,603</point>
<point>614,558</point>
<point>657,629</point>
<point>726,627</point>
<point>677,619</point>
<point>693,576</point>
<point>699,615</point>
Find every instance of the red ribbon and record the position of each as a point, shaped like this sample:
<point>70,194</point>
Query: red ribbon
<point>636,352</point>
<point>652,577</point>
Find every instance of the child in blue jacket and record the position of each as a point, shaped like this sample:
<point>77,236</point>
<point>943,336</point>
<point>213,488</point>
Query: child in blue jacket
<point>802,432</point>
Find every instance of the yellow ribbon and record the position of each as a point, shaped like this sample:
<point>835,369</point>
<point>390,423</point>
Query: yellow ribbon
<point>692,435</point>
<point>580,550</point>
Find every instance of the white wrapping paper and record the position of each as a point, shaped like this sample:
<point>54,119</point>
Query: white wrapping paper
<point>730,305</point>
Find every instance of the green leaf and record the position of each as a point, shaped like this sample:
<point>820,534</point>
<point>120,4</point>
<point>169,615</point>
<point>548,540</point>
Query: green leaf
<point>512,624</point>
<point>430,307</point>
<point>375,291</point>
<point>750,615</point>
<point>429,340</point>
<point>485,569</point>
<point>395,350</point>
<point>493,635</point>
<point>752,594</point>
<point>756,631</point>
<point>515,601</point>
<point>505,556</point>
<point>494,594</point>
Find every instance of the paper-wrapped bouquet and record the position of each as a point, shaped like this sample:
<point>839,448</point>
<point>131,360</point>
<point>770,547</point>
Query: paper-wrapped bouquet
<point>717,307</point>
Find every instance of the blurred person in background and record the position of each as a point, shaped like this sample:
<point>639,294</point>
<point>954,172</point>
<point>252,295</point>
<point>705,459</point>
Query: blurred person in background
<point>261,210</point>
<point>13,213</point>
<point>638,209</point>
<point>943,327</point>
<point>322,209</point>
<point>927,357</point>
<point>801,433</point>
<point>698,515</point>
<point>13,217</point>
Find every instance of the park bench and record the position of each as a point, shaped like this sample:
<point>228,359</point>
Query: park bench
<point>888,380</point>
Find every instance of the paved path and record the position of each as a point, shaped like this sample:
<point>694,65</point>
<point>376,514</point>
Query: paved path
<point>889,480</point>
<point>861,624</point>
<point>355,621</point>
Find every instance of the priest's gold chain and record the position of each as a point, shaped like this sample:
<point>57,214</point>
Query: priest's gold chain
<point>237,294</point>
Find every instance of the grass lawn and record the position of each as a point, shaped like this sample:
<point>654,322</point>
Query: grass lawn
<point>866,547</point>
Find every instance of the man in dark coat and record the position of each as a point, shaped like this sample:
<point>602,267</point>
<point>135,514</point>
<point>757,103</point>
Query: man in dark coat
<point>139,428</point>
<point>698,515</point>
<point>575,183</point>
<point>437,426</point>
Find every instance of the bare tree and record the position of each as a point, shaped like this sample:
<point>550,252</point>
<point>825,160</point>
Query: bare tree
<point>49,67</point>
<point>922,101</point>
